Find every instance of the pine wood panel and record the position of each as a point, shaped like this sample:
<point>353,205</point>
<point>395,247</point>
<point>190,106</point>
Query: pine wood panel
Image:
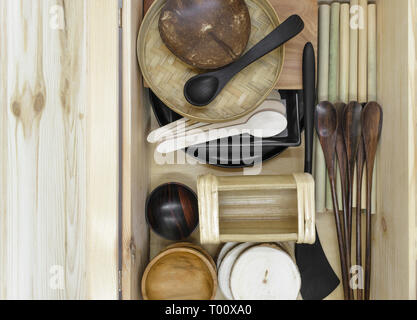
<point>291,77</point>
<point>136,121</point>
<point>58,149</point>
<point>394,254</point>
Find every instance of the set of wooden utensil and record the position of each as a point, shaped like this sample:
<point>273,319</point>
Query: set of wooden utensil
<point>351,132</point>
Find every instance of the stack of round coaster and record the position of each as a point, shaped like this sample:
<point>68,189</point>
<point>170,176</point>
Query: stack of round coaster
<point>249,271</point>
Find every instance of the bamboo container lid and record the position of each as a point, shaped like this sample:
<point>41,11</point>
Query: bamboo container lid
<point>166,75</point>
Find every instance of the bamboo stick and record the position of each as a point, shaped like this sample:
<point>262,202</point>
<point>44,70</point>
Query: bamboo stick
<point>323,94</point>
<point>353,64</point>
<point>372,79</point>
<point>363,53</point>
<point>343,74</point>
<point>363,68</point>
<point>344,53</point>
<point>333,72</point>
<point>353,56</point>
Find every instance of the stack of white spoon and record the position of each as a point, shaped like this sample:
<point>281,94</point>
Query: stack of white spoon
<point>268,120</point>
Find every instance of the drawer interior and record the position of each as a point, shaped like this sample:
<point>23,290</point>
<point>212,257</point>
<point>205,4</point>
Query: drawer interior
<point>394,254</point>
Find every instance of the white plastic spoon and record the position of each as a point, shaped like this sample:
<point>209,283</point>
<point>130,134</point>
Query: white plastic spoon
<point>263,124</point>
<point>184,127</point>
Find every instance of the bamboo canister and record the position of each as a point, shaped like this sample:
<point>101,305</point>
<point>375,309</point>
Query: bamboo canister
<point>166,75</point>
<point>256,208</point>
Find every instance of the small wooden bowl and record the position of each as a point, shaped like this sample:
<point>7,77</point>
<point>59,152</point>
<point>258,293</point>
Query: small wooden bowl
<point>179,274</point>
<point>205,34</point>
<point>166,74</point>
<point>172,211</point>
<point>195,247</point>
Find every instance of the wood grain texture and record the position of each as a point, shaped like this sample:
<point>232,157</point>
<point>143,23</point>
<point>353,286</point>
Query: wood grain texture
<point>180,274</point>
<point>394,247</point>
<point>308,10</point>
<point>136,123</point>
<point>59,149</point>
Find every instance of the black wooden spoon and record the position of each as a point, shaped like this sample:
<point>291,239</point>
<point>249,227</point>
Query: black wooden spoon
<point>202,89</point>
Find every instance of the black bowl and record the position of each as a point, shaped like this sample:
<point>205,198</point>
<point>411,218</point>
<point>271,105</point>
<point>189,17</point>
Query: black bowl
<point>172,211</point>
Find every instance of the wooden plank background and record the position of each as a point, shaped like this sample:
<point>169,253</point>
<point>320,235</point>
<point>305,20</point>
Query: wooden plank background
<point>59,149</point>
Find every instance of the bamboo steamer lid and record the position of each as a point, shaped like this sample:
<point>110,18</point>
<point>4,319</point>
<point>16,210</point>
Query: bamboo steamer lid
<point>179,274</point>
<point>205,34</point>
<point>166,74</point>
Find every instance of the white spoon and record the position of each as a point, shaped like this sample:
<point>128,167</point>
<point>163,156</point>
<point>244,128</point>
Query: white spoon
<point>183,127</point>
<point>263,124</point>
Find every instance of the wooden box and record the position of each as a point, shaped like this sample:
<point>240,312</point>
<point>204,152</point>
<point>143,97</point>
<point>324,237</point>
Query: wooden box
<point>75,168</point>
<point>256,209</point>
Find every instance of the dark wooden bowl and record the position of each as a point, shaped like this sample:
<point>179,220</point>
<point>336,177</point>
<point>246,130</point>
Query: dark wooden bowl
<point>205,34</point>
<point>172,211</point>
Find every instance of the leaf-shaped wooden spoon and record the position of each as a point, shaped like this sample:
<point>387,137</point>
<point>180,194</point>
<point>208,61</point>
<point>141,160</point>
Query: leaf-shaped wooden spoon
<point>372,118</point>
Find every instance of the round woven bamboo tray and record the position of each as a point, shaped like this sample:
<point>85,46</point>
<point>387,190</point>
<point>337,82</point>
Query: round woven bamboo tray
<point>166,75</point>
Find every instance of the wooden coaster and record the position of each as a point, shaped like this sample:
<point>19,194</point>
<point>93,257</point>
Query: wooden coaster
<point>265,272</point>
<point>226,267</point>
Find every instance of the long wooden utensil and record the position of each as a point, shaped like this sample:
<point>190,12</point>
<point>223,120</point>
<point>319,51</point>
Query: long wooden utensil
<point>352,131</point>
<point>372,118</point>
<point>326,127</point>
<point>342,164</point>
<point>360,163</point>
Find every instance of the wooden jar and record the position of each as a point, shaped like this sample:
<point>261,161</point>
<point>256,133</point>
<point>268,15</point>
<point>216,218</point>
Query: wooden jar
<point>256,208</point>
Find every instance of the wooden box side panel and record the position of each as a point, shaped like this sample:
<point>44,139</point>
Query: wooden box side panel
<point>135,169</point>
<point>59,150</point>
<point>394,254</point>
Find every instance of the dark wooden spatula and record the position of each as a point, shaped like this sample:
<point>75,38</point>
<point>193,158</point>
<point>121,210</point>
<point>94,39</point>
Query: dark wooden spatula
<point>318,279</point>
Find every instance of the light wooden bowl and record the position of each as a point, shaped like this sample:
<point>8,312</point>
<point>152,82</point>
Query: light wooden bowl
<point>166,75</point>
<point>179,274</point>
<point>195,247</point>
